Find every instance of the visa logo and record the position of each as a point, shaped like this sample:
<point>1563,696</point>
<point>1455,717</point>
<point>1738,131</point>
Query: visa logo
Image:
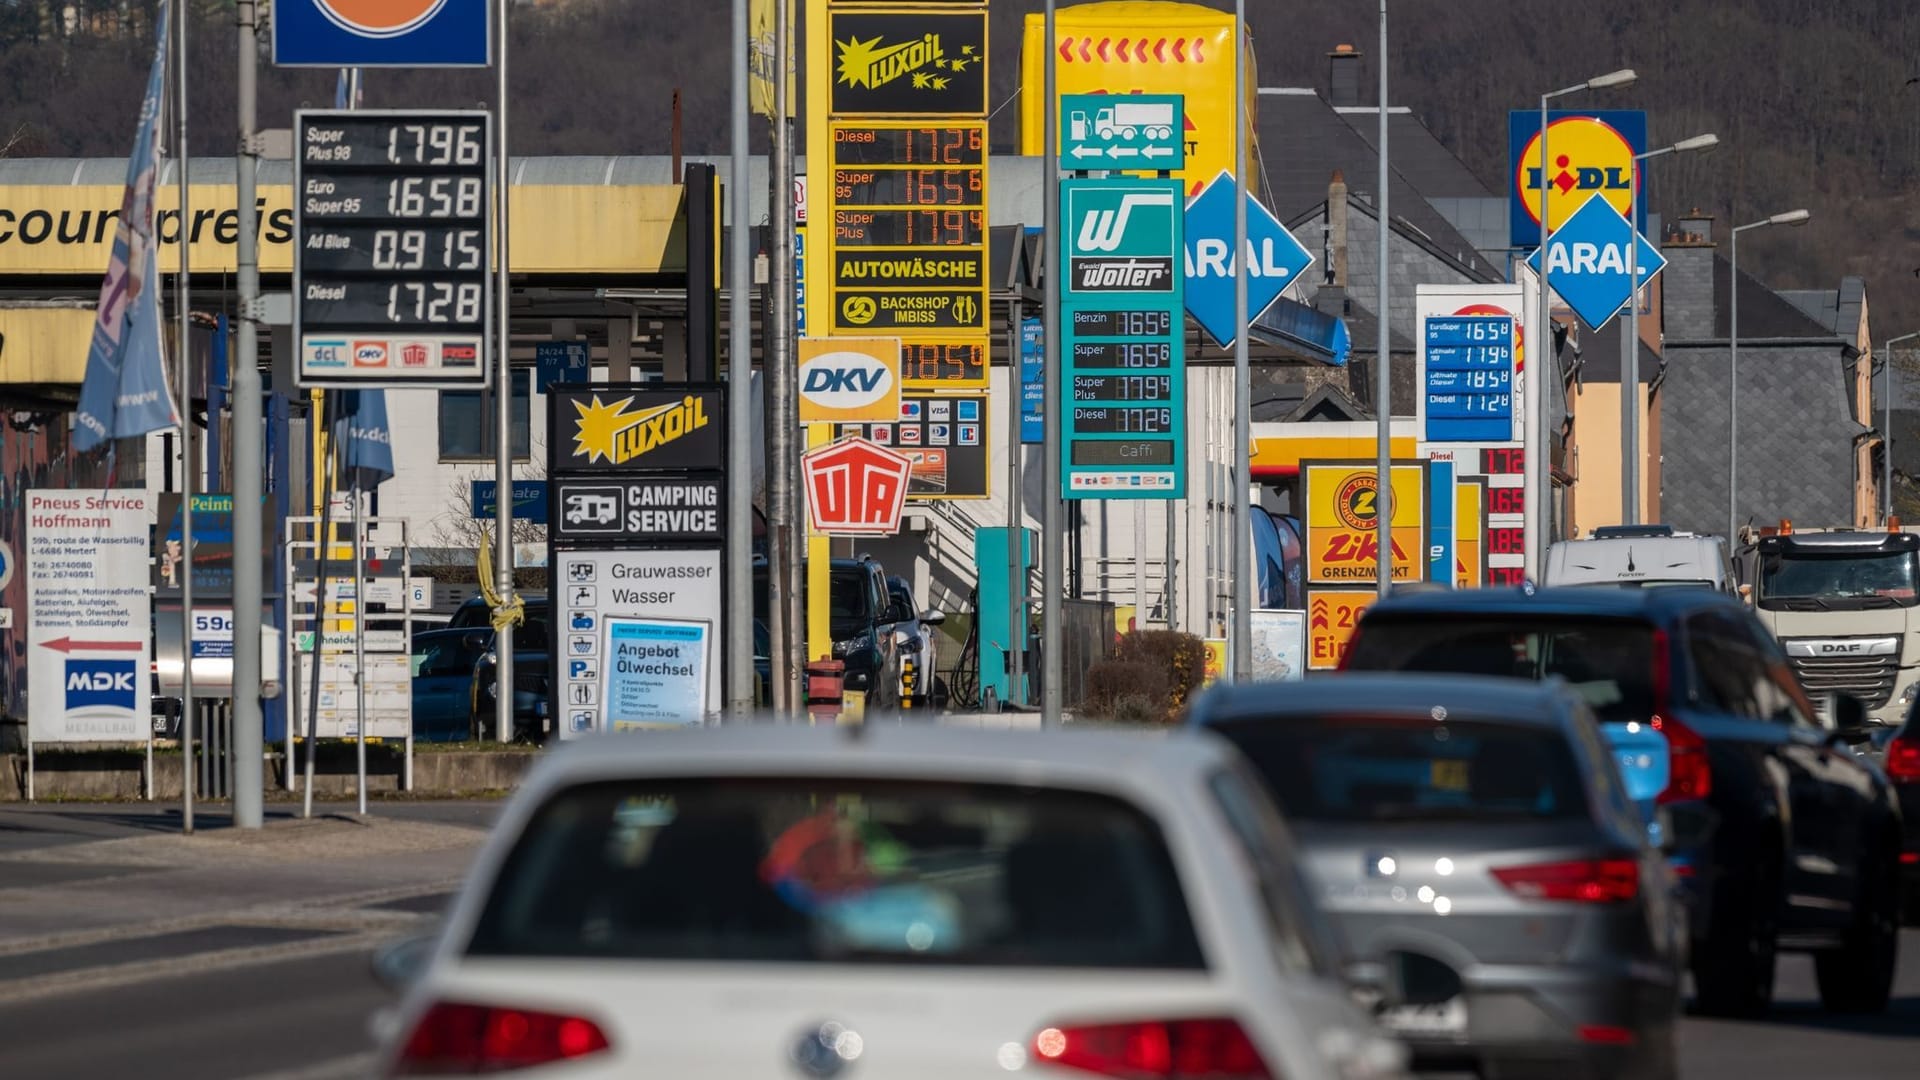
<point>102,684</point>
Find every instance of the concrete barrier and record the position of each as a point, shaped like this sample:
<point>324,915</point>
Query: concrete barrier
<point>121,774</point>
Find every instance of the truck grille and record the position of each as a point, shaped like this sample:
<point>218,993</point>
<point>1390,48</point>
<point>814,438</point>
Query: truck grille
<point>1869,678</point>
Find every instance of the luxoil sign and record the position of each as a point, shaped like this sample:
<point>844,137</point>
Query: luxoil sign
<point>641,429</point>
<point>914,62</point>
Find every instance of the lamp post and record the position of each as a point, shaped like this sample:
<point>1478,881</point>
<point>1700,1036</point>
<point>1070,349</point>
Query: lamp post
<point>1539,517</point>
<point>1791,217</point>
<point>1630,378</point>
<point>1886,450</point>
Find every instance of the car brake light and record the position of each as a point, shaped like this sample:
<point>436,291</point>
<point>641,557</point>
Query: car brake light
<point>1217,1048</point>
<point>1587,881</point>
<point>459,1038</point>
<point>1903,759</point>
<point>1689,775</point>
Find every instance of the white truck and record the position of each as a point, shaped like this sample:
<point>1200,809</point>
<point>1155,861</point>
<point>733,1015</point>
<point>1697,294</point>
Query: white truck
<point>1845,604</point>
<point>1125,120</point>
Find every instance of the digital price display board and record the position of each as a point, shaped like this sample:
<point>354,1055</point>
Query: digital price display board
<point>392,229</point>
<point>1125,342</point>
<point>1467,379</point>
<point>907,250</point>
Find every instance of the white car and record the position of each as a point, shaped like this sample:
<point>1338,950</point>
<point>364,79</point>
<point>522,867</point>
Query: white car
<point>925,902</point>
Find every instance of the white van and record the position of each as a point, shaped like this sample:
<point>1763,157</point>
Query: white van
<point>1641,555</point>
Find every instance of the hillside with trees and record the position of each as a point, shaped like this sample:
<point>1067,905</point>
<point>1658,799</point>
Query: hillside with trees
<point>1810,97</point>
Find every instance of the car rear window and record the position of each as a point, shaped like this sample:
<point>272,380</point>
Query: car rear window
<point>854,871</point>
<point>1361,768</point>
<point>1608,662</point>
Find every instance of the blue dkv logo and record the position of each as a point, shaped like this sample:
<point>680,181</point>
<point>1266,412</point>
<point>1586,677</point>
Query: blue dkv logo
<point>102,684</point>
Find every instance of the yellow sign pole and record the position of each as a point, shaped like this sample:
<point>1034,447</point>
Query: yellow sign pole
<point>819,74</point>
<point>819,559</point>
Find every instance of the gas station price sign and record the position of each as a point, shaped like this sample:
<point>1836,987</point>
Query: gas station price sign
<point>1466,366</point>
<point>1124,340</point>
<point>393,227</point>
<point>908,245</point>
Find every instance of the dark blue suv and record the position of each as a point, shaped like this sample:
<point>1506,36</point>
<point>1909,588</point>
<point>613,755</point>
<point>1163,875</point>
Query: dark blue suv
<point>1782,836</point>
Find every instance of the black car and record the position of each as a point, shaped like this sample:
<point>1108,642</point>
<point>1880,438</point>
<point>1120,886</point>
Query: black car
<point>532,667</point>
<point>1783,837</point>
<point>860,616</point>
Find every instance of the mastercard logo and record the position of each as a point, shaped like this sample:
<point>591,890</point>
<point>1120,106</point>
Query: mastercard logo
<point>1519,334</point>
<point>379,18</point>
<point>1588,156</point>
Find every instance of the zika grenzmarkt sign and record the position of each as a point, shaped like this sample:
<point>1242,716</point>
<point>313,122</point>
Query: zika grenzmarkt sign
<point>1123,344</point>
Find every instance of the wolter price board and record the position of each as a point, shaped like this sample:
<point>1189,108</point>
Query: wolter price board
<point>392,234</point>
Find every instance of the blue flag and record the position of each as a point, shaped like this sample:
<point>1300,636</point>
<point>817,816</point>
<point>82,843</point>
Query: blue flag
<point>365,441</point>
<point>124,392</point>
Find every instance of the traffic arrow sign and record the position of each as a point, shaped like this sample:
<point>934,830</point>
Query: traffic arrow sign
<point>1587,261</point>
<point>69,646</point>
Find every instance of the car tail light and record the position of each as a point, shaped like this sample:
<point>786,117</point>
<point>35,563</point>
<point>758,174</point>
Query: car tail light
<point>460,1038</point>
<point>1689,775</point>
<point>1903,759</point>
<point>1587,881</point>
<point>1217,1049</point>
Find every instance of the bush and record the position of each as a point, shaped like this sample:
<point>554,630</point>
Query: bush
<point>1182,657</point>
<point>1126,692</point>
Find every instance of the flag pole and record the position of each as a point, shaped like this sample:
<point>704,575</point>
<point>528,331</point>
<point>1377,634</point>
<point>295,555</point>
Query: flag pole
<point>183,360</point>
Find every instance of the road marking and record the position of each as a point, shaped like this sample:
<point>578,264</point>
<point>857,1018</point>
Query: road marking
<point>118,975</point>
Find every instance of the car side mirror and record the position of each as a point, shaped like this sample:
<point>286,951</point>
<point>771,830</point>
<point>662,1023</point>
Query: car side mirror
<point>398,965</point>
<point>933,616</point>
<point>1377,982</point>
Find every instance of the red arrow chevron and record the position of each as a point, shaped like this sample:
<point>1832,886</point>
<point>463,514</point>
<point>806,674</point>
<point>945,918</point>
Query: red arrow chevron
<point>1180,49</point>
<point>1122,50</point>
<point>68,645</point>
<point>1160,50</point>
<point>1197,58</point>
<point>1085,56</point>
<point>1102,49</point>
<point>1066,49</point>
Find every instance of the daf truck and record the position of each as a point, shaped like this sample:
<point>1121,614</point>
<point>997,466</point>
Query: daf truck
<point>1845,604</point>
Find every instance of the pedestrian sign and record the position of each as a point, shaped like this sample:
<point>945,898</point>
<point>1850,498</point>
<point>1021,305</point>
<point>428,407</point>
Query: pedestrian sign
<point>1122,131</point>
<point>1587,261</point>
<point>1274,259</point>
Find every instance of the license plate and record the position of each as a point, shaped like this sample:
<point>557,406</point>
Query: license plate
<point>1441,1018</point>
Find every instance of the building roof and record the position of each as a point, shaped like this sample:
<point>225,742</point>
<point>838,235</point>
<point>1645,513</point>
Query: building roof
<point>1764,313</point>
<point>1599,352</point>
<point>1417,153</point>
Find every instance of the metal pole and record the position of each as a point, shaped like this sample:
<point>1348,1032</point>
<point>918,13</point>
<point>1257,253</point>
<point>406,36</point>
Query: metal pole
<point>503,415</point>
<point>1733,381</point>
<point>780,382</point>
<point>249,470</point>
<point>1140,609</point>
<point>1383,356</point>
<point>1886,408</point>
<point>739,562</point>
<point>1241,635</point>
<point>1630,377</point>
<point>360,642</point>
<point>1053,524</point>
<point>1016,523</point>
<point>183,361</point>
<point>324,542</point>
<point>1539,518</point>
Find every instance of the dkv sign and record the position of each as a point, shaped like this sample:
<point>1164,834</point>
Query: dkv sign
<point>855,488</point>
<point>849,380</point>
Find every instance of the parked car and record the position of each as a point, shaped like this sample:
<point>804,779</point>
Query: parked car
<point>860,618</point>
<point>1783,837</point>
<point>444,662</point>
<point>741,901</point>
<point>532,670</point>
<point>1901,760</point>
<point>914,630</point>
<point>1477,835</point>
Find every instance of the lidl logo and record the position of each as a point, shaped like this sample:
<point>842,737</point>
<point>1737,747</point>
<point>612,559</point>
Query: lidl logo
<point>102,684</point>
<point>614,434</point>
<point>1590,153</point>
<point>379,18</point>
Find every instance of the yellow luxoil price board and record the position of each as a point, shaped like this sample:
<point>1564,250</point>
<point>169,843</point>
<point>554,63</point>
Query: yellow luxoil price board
<point>1342,522</point>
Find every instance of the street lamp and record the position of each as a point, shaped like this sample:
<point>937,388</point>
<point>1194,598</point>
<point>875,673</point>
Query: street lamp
<point>1791,217</point>
<point>1630,378</point>
<point>1539,456</point>
<point>1886,410</point>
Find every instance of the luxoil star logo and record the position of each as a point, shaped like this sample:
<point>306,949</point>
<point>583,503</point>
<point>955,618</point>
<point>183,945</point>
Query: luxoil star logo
<point>611,433</point>
<point>870,65</point>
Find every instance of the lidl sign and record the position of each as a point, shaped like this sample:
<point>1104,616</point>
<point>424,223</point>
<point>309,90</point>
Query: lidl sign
<point>1589,153</point>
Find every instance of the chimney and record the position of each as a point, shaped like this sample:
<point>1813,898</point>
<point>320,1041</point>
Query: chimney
<point>1343,76</point>
<point>1686,285</point>
<point>1337,230</point>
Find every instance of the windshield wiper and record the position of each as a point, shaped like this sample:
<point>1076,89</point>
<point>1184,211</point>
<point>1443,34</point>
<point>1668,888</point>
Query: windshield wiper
<point>1799,603</point>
